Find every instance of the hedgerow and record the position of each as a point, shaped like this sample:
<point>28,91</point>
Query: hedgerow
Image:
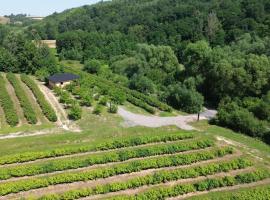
<point>104,172</point>
<point>7,105</point>
<point>114,144</point>
<point>152,179</point>
<point>28,111</point>
<point>46,108</point>
<point>102,158</point>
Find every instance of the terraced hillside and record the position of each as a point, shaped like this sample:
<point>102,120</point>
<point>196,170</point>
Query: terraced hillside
<point>169,165</point>
<point>22,107</point>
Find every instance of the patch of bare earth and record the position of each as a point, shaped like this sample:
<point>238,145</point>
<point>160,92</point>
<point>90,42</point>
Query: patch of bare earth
<point>123,177</point>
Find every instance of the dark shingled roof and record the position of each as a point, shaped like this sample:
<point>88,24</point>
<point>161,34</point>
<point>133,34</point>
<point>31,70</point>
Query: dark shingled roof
<point>63,77</point>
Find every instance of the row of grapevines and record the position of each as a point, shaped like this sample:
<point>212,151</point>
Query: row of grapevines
<point>46,108</point>
<point>152,179</point>
<point>112,144</point>
<point>164,192</point>
<point>7,104</point>
<point>117,169</point>
<point>28,111</point>
<point>101,158</point>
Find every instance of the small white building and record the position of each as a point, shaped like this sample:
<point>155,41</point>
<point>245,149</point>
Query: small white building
<point>61,79</point>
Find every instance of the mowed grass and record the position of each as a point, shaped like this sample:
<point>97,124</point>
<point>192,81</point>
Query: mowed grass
<point>96,129</point>
<point>255,146</point>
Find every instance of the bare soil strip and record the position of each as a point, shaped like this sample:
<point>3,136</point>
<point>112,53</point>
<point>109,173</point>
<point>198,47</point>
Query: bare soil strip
<point>94,152</point>
<point>123,177</point>
<point>172,183</point>
<point>102,165</point>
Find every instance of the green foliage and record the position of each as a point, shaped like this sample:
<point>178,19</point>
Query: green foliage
<point>28,111</point>
<point>92,66</point>
<point>75,112</point>
<point>240,119</point>
<point>114,156</point>
<point>7,104</point>
<point>112,108</point>
<point>114,144</point>
<point>98,109</point>
<point>158,193</point>
<point>134,166</point>
<point>46,108</point>
<point>153,179</point>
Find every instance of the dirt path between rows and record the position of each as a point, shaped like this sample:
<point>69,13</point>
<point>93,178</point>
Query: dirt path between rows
<point>98,152</point>
<point>82,169</point>
<point>169,184</point>
<point>123,177</point>
<point>63,120</point>
<point>132,119</point>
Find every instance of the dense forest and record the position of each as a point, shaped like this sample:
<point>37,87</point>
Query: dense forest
<point>186,53</point>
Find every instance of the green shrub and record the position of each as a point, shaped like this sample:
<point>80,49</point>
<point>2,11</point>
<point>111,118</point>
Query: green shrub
<point>98,109</point>
<point>46,108</point>
<point>112,108</point>
<point>7,104</point>
<point>28,111</point>
<point>75,112</point>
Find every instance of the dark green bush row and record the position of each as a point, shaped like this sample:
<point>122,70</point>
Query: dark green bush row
<point>7,104</point>
<point>160,193</point>
<point>140,103</point>
<point>46,108</point>
<point>102,158</point>
<point>152,179</point>
<point>114,144</point>
<point>104,172</point>
<point>28,111</point>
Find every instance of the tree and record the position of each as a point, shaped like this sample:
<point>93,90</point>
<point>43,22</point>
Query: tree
<point>184,99</point>
<point>92,66</point>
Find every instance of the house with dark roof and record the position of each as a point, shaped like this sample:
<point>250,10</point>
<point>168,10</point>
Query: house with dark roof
<point>61,79</point>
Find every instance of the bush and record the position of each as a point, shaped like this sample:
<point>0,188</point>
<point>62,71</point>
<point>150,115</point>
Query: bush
<point>103,101</point>
<point>98,109</point>
<point>231,115</point>
<point>75,112</point>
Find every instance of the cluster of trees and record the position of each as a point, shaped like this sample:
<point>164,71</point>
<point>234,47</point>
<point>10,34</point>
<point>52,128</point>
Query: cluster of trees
<point>75,110</point>
<point>249,115</point>
<point>46,108</point>
<point>184,53</point>
<point>92,174</point>
<point>25,103</point>
<point>20,54</point>
<point>112,144</point>
<point>153,179</point>
<point>7,104</point>
<point>102,158</point>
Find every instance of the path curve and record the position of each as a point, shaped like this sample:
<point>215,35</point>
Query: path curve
<point>132,119</point>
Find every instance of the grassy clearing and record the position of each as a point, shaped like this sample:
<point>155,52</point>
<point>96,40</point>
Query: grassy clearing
<point>257,146</point>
